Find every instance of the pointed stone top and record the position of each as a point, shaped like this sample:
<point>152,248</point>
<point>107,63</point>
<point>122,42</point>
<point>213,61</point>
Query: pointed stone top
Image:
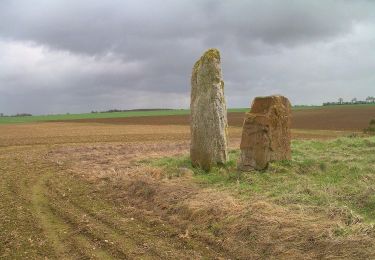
<point>210,62</point>
<point>211,54</point>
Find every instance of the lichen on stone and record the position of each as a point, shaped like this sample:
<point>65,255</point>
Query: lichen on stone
<point>211,54</point>
<point>208,112</point>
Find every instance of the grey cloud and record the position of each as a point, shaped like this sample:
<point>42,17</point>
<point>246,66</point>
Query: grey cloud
<point>80,55</point>
<point>138,27</point>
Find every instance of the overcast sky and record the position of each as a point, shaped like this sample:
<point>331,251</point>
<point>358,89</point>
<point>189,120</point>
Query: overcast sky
<point>59,56</point>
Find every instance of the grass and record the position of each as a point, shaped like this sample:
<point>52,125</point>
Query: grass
<point>322,174</point>
<point>59,117</point>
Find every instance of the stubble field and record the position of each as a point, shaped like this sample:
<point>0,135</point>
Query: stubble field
<point>126,190</point>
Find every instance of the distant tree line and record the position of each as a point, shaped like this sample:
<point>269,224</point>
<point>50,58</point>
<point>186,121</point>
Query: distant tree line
<point>20,114</point>
<point>130,110</point>
<point>368,100</point>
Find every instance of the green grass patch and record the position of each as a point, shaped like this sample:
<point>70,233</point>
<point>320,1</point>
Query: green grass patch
<point>339,173</point>
<point>42,118</point>
<point>60,117</point>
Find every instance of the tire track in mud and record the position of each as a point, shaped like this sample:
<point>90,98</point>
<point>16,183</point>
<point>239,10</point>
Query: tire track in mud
<point>75,230</point>
<point>132,238</point>
<point>57,230</point>
<point>164,236</point>
<point>69,228</point>
<point>46,218</point>
<point>21,236</point>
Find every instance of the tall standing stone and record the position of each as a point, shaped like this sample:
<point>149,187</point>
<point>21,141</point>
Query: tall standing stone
<point>208,112</point>
<point>266,133</point>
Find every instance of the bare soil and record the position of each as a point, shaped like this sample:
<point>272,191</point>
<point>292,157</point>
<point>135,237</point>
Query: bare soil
<point>71,132</point>
<point>325,118</point>
<point>82,191</point>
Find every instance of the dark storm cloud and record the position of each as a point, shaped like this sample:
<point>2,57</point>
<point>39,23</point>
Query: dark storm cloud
<point>71,56</point>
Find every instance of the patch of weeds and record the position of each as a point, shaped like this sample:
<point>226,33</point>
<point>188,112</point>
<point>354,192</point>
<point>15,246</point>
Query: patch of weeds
<point>320,174</point>
<point>367,202</point>
<point>353,135</point>
<point>345,214</point>
<point>325,179</point>
<point>323,166</point>
<point>141,189</point>
<point>145,161</point>
<point>340,231</point>
<point>369,143</point>
<point>216,229</point>
<point>171,162</point>
<point>306,166</point>
<point>338,141</point>
<point>219,176</point>
<point>371,128</point>
<point>280,166</point>
<point>301,198</point>
<point>317,145</point>
<point>172,166</point>
<point>297,153</point>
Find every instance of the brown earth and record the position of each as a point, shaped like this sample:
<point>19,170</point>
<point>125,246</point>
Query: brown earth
<point>70,132</point>
<point>81,191</point>
<point>341,118</point>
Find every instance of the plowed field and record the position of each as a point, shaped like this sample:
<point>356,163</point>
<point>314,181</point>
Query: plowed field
<point>325,118</point>
<point>125,189</point>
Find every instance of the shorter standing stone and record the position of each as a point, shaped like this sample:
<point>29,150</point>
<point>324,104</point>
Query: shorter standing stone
<point>266,133</point>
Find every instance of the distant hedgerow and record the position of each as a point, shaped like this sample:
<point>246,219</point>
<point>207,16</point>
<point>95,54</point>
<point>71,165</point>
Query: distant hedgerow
<point>371,128</point>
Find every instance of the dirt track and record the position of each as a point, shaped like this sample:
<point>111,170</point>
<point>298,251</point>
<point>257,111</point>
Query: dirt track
<point>346,118</point>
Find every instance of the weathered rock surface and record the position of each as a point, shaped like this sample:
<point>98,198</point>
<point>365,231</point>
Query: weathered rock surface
<point>266,133</point>
<point>208,112</point>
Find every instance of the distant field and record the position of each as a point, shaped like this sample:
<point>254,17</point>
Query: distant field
<point>342,118</point>
<point>308,117</point>
<point>41,118</point>
<point>65,117</point>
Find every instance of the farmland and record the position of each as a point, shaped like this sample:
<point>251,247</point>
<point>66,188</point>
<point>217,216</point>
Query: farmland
<point>57,117</point>
<point>350,118</point>
<point>181,115</point>
<point>124,188</point>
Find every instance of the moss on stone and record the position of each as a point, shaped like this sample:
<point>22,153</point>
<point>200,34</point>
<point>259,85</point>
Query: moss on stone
<point>207,60</point>
<point>211,54</point>
<point>208,55</point>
